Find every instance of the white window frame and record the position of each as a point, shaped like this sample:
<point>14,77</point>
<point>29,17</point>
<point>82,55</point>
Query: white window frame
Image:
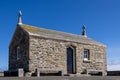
<point>86,54</point>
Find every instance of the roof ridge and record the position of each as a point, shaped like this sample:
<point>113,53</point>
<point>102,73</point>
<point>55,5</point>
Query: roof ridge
<point>54,34</point>
<point>55,30</point>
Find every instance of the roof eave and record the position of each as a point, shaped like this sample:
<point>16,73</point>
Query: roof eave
<point>36,35</point>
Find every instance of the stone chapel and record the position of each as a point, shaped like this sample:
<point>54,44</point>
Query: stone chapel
<point>40,51</point>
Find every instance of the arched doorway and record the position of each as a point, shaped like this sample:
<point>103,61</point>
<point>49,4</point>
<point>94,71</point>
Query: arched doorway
<point>71,60</point>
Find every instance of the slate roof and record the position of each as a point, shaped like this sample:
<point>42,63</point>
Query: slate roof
<point>52,34</point>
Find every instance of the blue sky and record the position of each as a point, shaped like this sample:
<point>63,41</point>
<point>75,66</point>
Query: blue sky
<point>101,17</point>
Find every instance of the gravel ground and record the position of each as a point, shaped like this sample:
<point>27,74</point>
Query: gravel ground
<point>62,78</point>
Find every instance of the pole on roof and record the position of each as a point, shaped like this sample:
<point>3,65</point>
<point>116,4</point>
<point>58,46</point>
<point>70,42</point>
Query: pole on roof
<point>84,31</point>
<point>20,17</point>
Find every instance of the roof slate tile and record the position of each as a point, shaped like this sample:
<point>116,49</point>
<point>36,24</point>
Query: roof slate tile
<point>52,34</point>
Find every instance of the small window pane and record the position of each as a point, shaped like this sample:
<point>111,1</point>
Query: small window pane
<point>86,54</point>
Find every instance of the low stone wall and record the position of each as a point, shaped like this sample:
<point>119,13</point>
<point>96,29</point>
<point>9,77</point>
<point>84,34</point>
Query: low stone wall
<point>113,73</point>
<point>62,78</point>
<point>1,73</point>
<point>15,73</point>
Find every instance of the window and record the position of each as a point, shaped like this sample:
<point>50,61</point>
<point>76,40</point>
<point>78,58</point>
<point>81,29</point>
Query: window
<point>86,54</point>
<point>18,53</point>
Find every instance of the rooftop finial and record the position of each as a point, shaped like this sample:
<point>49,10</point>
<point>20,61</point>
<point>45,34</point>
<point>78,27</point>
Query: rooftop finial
<point>84,31</point>
<point>19,17</point>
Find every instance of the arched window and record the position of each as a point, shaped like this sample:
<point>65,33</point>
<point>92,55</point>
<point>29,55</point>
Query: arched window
<point>71,60</point>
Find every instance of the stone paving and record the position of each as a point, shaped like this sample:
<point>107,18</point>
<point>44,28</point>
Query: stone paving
<point>62,78</point>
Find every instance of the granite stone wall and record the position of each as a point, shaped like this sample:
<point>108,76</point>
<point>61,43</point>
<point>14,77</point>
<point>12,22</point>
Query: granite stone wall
<point>20,39</point>
<point>50,53</point>
<point>38,52</point>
